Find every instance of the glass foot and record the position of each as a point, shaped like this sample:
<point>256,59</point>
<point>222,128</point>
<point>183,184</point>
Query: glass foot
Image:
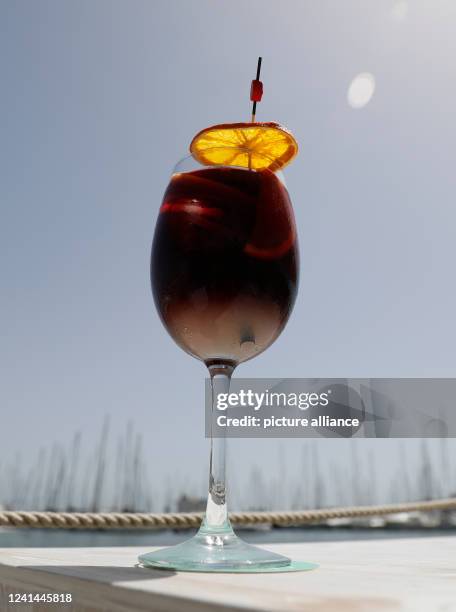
<point>215,550</point>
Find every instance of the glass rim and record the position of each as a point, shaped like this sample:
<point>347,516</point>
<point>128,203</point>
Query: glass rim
<point>189,163</point>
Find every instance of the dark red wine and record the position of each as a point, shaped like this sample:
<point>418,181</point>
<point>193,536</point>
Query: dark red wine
<point>224,265</point>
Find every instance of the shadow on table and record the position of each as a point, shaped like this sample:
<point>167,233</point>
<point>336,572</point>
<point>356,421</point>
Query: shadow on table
<point>104,574</point>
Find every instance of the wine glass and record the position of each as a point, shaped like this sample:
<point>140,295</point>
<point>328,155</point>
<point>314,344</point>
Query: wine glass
<point>224,272</point>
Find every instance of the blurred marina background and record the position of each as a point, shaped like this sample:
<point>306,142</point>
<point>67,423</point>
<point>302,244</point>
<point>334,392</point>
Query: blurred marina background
<point>115,476</point>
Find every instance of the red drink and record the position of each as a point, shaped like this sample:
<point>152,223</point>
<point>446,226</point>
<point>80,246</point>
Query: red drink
<point>224,262</point>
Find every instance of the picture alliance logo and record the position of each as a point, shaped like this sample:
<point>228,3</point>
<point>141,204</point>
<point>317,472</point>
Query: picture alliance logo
<point>267,399</point>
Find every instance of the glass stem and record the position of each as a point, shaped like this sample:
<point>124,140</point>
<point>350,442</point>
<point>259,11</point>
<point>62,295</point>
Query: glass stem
<point>216,517</point>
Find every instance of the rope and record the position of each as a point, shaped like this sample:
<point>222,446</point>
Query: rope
<point>118,520</point>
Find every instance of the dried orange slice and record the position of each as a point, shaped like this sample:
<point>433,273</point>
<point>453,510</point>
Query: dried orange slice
<point>256,146</point>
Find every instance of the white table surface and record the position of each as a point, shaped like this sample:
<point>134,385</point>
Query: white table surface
<point>413,575</point>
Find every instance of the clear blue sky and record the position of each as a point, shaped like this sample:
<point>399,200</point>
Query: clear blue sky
<point>98,101</point>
